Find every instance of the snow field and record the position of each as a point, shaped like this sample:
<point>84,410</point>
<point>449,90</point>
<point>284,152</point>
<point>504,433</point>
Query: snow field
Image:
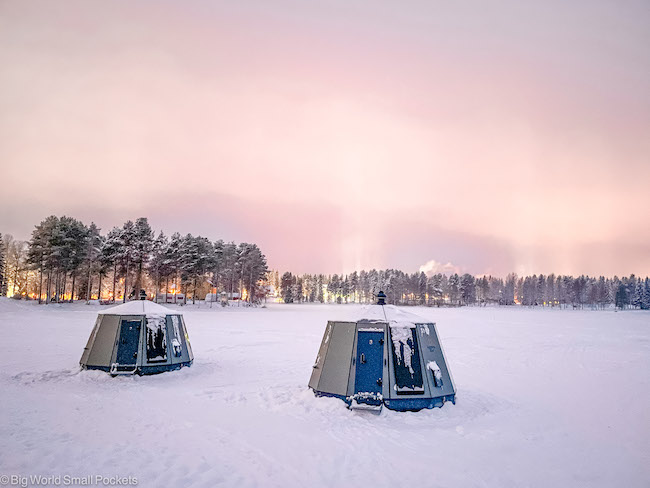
<point>545,398</point>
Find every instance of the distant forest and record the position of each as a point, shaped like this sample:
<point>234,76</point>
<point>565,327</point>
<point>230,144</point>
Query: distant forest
<point>67,260</point>
<point>458,290</point>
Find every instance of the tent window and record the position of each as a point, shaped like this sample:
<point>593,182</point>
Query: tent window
<point>156,339</point>
<point>406,358</point>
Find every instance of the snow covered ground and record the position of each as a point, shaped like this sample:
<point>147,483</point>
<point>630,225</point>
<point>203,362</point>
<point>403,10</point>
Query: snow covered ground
<point>545,398</point>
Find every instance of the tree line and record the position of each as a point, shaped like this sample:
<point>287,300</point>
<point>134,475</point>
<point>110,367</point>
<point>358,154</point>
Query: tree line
<point>66,259</point>
<point>464,289</point>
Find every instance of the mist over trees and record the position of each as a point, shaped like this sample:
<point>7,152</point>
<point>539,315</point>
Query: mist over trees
<point>67,260</point>
<point>465,289</point>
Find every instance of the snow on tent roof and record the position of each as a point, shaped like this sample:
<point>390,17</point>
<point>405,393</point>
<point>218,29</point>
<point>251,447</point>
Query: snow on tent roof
<point>139,307</point>
<point>388,313</point>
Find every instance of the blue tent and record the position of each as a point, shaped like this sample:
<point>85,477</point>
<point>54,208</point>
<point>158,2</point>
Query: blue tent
<point>384,357</point>
<point>138,337</point>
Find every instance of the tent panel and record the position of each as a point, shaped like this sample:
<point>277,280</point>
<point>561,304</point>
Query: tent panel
<point>176,340</point>
<point>352,378</point>
<point>407,366</point>
<point>440,383</point>
<point>320,357</point>
<point>157,351</point>
<point>91,340</point>
<point>336,368</point>
<point>101,352</point>
<point>188,346</point>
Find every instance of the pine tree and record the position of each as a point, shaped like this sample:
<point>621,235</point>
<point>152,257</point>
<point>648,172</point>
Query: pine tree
<point>319,288</point>
<point>94,242</point>
<point>509,289</point>
<point>217,271</point>
<point>454,287</point>
<point>253,269</point>
<point>110,256</point>
<point>364,287</point>
<point>40,248</point>
<point>16,266</point>
<point>3,288</point>
<point>126,255</point>
<point>157,266</point>
<point>645,304</point>
<point>422,288</point>
<point>296,290</point>
<point>173,259</point>
<point>621,296</point>
<point>354,286</point>
<point>286,285</point>
<point>142,246</point>
<point>435,289</point>
<point>197,258</point>
<point>639,292</point>
<point>467,289</point>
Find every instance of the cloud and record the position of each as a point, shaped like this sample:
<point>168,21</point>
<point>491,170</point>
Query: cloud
<point>433,267</point>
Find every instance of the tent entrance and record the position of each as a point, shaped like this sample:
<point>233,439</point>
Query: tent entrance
<point>127,346</point>
<point>369,367</point>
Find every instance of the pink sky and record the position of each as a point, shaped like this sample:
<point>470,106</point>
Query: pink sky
<point>498,138</point>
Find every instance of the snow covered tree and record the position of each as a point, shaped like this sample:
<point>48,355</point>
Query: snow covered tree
<point>197,259</point>
<point>172,259</point>
<point>217,271</point>
<point>345,289</point>
<point>286,286</point>
<point>467,289</point>
<point>75,238</point>
<point>142,246</point>
<point>364,287</point>
<point>354,286</point>
<point>15,265</point>
<point>422,288</point>
<point>645,303</point>
<point>550,290</point>
<point>334,288</point>
<point>58,245</point>
<point>621,296</point>
<point>454,287</point>
<point>158,266</point>
<point>482,290</point>
<point>39,248</point>
<point>94,242</point>
<point>602,292</point>
<point>110,256</point>
<point>126,255</point>
<point>435,289</point>
<point>296,290</point>
<point>639,292</point>
<point>3,254</point>
<point>253,269</point>
<point>320,280</point>
<point>509,289</point>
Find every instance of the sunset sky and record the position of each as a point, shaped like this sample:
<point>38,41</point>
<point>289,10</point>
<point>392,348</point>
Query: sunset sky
<point>485,137</point>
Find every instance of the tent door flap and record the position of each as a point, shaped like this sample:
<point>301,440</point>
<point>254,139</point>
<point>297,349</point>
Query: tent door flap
<point>369,367</point>
<point>127,346</point>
